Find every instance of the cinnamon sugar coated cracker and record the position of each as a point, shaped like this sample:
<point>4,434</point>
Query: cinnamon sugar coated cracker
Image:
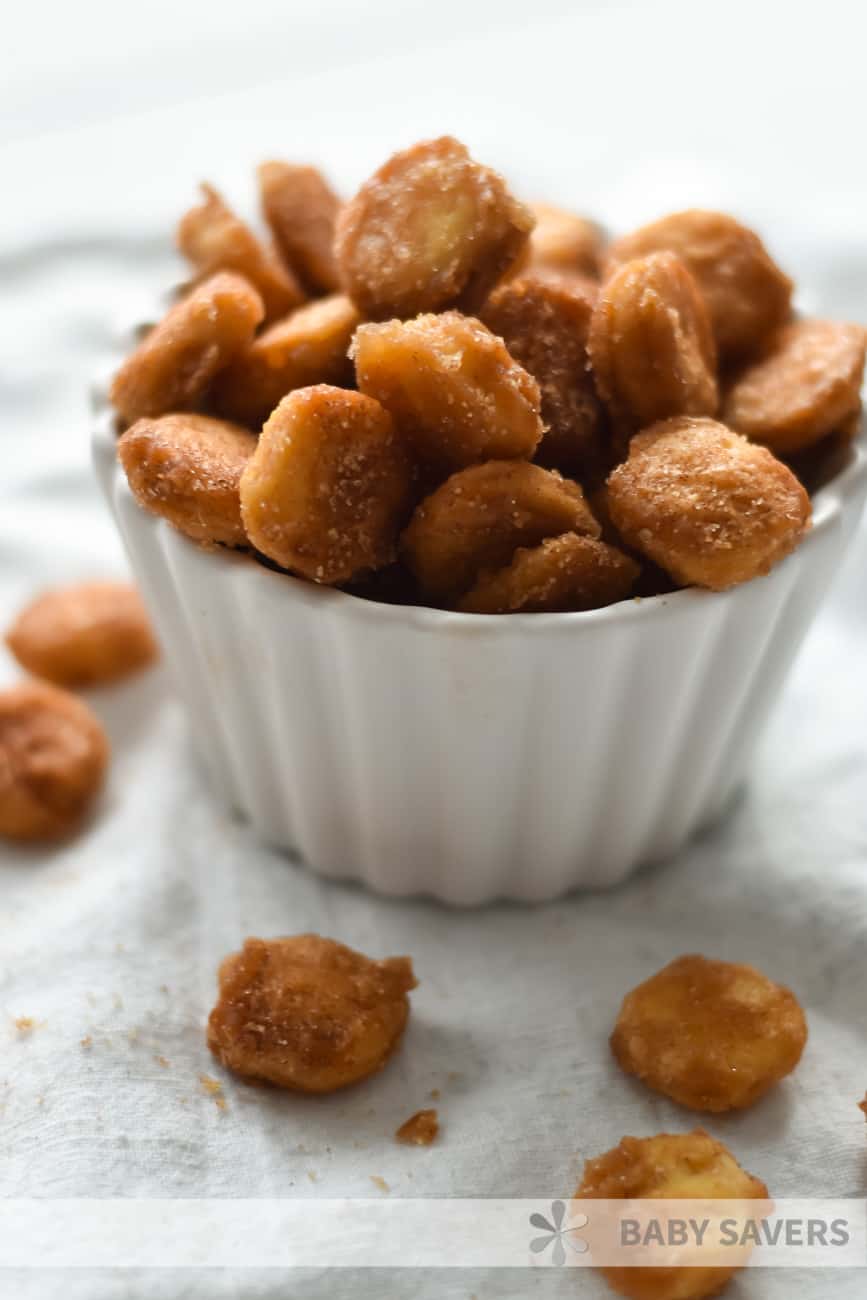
<point>709,507</point>
<point>805,387</point>
<point>307,1013</point>
<point>564,241</point>
<point>746,294</point>
<point>213,239</point>
<point>567,572</point>
<point>172,367</point>
<point>53,759</point>
<point>712,1035</point>
<point>301,209</point>
<point>651,345</point>
<point>683,1166</point>
<point>357,366</point>
<point>329,485</point>
<point>430,229</point>
<point>187,468</point>
<point>83,635</point>
<point>452,386</point>
<point>544,321</point>
<point>309,346</point>
<point>480,516</point>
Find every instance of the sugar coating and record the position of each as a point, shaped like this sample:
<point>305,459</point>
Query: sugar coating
<point>651,345</point>
<point>479,518</point>
<point>430,229</point>
<point>805,386</point>
<point>307,1013</point>
<point>451,386</point>
<point>83,635</point>
<point>187,469</point>
<point>570,572</point>
<point>712,1035</point>
<point>171,368</point>
<point>301,209</point>
<point>308,347</point>
<point>709,507</point>
<point>746,293</point>
<point>329,486</point>
<point>684,1166</point>
<point>213,239</point>
<point>544,320</point>
<point>53,758</point>
<point>565,241</point>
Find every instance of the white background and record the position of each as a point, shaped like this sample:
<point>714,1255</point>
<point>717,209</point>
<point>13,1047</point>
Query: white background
<point>108,115</point>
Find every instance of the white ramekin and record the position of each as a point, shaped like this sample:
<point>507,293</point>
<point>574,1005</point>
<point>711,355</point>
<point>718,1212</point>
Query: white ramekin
<point>473,757</point>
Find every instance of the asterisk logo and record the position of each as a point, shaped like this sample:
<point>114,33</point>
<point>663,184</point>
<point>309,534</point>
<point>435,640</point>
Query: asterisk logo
<point>555,1234</point>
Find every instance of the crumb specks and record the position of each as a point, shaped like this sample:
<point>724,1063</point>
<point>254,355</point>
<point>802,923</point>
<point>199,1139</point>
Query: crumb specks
<point>214,1089</point>
<point>420,1129</point>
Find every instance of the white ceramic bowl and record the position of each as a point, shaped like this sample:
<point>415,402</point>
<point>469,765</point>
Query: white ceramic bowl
<point>473,757</point>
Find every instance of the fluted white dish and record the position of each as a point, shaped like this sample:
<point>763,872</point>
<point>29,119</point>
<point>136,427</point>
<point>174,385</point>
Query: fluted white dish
<point>473,757</point>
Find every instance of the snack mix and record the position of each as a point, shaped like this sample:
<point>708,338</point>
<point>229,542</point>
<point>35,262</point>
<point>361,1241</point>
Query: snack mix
<point>435,394</point>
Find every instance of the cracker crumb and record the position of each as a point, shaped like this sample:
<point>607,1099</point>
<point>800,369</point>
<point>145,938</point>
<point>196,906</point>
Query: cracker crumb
<point>25,1025</point>
<point>87,1042</point>
<point>161,1060</point>
<point>420,1129</point>
<point>312,1175</point>
<point>862,1105</point>
<point>214,1089</point>
<point>434,1094</point>
<point>380,1183</point>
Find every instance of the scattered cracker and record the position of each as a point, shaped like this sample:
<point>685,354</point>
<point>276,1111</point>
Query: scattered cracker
<point>380,1183</point>
<point>420,1129</point>
<point>25,1025</point>
<point>87,1042</point>
<point>434,1094</point>
<point>161,1060</point>
<point>862,1105</point>
<point>312,1175</point>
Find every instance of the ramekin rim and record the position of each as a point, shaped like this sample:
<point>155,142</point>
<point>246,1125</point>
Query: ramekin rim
<point>829,501</point>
